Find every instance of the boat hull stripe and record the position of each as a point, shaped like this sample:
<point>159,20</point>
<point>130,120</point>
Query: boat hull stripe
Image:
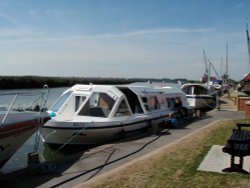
<point>105,127</point>
<point>200,97</point>
<point>20,127</point>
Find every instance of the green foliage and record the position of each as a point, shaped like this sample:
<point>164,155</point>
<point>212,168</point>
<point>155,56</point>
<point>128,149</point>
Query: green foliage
<point>21,82</point>
<point>16,82</point>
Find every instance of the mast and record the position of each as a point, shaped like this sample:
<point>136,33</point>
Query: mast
<point>221,66</point>
<point>226,64</point>
<point>226,59</point>
<point>221,73</point>
<point>205,61</point>
<point>225,75</point>
<point>206,74</point>
<point>248,43</point>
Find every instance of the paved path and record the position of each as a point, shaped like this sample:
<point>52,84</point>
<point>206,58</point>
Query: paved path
<point>86,165</point>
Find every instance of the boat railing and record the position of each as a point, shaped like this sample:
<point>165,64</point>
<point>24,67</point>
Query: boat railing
<point>9,109</point>
<point>38,104</point>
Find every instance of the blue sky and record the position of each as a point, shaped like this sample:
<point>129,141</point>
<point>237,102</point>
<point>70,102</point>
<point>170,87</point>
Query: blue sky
<point>123,38</point>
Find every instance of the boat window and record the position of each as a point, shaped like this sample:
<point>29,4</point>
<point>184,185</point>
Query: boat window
<point>200,90</point>
<point>187,90</point>
<point>78,101</point>
<point>153,103</point>
<point>60,101</point>
<point>145,102</point>
<point>98,105</point>
<point>171,102</point>
<point>133,100</point>
<point>122,110</point>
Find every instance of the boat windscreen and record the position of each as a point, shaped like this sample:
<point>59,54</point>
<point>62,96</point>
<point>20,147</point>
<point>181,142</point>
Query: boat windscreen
<point>60,101</point>
<point>200,90</point>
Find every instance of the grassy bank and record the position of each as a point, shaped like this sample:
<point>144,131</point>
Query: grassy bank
<point>176,166</point>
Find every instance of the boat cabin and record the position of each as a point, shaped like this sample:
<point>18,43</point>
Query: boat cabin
<point>104,101</point>
<point>96,114</point>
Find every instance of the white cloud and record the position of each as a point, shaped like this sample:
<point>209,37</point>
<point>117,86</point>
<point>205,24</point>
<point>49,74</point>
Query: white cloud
<point>154,31</point>
<point>36,35</point>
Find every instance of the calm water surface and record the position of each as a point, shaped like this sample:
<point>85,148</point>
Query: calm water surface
<point>19,159</point>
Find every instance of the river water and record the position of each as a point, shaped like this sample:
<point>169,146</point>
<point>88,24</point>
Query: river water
<point>19,159</point>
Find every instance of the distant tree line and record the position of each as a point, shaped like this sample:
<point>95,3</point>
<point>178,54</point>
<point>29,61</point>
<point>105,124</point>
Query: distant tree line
<point>17,82</point>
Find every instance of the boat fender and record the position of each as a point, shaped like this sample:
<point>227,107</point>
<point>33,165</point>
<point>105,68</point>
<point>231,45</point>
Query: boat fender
<point>174,121</point>
<point>52,114</point>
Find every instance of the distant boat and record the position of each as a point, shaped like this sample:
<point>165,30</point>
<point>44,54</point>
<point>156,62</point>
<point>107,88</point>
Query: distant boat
<point>17,124</point>
<point>97,114</point>
<point>200,96</point>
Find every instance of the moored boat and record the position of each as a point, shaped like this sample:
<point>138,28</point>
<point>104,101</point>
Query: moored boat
<point>18,123</point>
<point>200,96</point>
<point>97,114</point>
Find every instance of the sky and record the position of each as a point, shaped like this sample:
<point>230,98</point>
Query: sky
<point>123,38</point>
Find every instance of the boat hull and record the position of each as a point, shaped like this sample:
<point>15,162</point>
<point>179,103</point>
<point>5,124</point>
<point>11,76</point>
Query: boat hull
<point>13,137</point>
<point>56,134</point>
<point>201,102</point>
<point>200,96</point>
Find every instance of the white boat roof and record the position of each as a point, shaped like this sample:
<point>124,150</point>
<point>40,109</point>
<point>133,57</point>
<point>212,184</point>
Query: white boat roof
<point>161,87</point>
<point>140,87</point>
<point>194,84</point>
<point>210,88</point>
<point>81,88</point>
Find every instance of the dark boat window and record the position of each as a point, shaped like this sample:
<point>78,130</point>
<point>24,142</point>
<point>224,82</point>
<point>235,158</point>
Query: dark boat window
<point>171,102</point>
<point>78,101</point>
<point>145,103</point>
<point>132,100</point>
<point>98,105</point>
<point>200,90</point>
<point>197,90</point>
<point>187,90</point>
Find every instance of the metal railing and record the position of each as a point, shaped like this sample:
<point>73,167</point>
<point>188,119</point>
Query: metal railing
<point>38,104</point>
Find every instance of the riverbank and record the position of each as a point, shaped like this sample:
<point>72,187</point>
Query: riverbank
<point>175,165</point>
<point>84,167</point>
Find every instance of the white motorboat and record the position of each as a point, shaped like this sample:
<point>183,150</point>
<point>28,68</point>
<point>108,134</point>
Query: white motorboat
<point>17,124</point>
<point>97,114</point>
<point>200,96</point>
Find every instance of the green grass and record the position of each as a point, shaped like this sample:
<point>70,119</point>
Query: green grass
<point>177,165</point>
